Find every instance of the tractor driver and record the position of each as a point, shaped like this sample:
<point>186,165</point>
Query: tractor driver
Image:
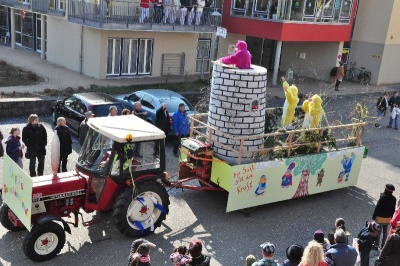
<point>115,171</point>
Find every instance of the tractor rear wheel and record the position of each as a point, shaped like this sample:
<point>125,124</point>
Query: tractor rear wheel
<point>5,221</point>
<point>141,212</point>
<point>44,241</point>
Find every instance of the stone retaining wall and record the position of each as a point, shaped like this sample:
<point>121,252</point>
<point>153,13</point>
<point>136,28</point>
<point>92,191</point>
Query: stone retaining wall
<point>10,107</point>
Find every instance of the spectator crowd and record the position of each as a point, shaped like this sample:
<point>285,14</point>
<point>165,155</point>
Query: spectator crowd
<point>183,12</point>
<point>382,234</point>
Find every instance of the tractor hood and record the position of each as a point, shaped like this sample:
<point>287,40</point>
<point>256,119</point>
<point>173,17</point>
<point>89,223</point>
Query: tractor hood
<point>64,185</point>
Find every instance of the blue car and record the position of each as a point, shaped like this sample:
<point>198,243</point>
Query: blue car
<point>152,99</point>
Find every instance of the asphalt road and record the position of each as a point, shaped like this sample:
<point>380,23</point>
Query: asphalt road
<point>230,237</point>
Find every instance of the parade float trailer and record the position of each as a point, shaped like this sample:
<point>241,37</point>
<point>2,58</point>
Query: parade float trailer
<point>230,151</point>
<point>108,176</point>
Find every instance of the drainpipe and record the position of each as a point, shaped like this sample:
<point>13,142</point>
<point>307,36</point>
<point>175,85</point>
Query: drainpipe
<point>81,52</point>
<point>43,37</point>
<point>277,60</point>
<point>12,18</point>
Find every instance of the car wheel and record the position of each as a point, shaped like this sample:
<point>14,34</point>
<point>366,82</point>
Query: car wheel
<point>140,212</point>
<point>44,242</point>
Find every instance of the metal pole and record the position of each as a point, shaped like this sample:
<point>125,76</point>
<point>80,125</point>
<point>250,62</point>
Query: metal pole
<point>276,65</point>
<point>12,18</point>
<point>43,37</point>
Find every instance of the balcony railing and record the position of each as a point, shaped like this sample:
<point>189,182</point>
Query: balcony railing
<point>128,15</point>
<point>51,7</point>
<point>315,11</point>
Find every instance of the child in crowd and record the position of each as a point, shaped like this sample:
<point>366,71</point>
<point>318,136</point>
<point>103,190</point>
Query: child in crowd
<point>139,254</point>
<point>339,224</point>
<point>179,257</point>
<point>14,146</point>
<point>365,240</point>
<point>142,256</point>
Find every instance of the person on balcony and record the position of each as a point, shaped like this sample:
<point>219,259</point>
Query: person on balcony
<point>158,11</point>
<point>191,11</point>
<point>185,4</point>
<point>199,10</point>
<point>167,10</point>
<point>144,6</point>
<point>175,6</point>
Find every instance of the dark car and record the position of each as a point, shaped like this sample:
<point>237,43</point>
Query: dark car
<point>74,107</point>
<point>152,99</point>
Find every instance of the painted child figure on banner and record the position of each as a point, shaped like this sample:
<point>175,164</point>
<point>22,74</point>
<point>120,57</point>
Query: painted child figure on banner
<point>262,185</point>
<point>241,59</point>
<point>287,177</point>
<point>320,176</point>
<point>347,163</point>
<point>291,101</point>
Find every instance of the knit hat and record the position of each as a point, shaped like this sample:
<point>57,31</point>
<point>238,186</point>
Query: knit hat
<point>250,260</point>
<point>268,247</point>
<point>319,236</point>
<point>389,187</point>
<point>294,253</point>
<point>374,227</point>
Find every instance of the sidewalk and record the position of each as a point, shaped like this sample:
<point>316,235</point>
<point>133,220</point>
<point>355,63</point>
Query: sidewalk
<point>57,77</point>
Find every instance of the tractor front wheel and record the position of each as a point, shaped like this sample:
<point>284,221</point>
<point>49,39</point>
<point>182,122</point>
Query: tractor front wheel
<point>5,221</point>
<point>140,212</point>
<point>44,242</point>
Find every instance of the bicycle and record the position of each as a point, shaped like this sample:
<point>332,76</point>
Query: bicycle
<point>363,76</point>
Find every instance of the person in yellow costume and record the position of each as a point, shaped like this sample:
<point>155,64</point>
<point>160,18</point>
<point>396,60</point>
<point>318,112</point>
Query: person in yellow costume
<point>313,112</point>
<point>306,108</point>
<point>289,107</point>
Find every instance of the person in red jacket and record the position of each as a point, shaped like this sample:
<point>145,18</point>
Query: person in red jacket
<point>395,219</point>
<point>144,6</point>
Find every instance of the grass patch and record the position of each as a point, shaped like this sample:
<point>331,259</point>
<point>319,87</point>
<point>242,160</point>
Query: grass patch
<point>15,76</point>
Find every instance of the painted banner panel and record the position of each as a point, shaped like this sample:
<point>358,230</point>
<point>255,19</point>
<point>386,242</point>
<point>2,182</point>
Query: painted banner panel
<point>271,181</point>
<point>17,191</point>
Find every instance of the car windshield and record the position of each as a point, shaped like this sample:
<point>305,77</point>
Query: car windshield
<point>173,104</point>
<point>94,153</point>
<point>103,109</point>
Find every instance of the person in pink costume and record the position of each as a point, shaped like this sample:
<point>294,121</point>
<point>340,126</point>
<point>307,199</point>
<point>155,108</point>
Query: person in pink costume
<point>241,59</point>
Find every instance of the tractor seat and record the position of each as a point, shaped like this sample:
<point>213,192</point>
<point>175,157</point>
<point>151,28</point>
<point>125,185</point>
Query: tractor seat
<point>362,68</point>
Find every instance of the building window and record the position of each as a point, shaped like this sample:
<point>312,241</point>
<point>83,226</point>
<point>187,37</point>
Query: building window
<point>129,56</point>
<point>24,29</point>
<point>56,5</point>
<point>203,53</point>
<point>40,34</point>
<point>4,28</point>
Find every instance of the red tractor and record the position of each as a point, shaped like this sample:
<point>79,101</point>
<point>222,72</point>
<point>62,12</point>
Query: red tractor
<point>110,175</point>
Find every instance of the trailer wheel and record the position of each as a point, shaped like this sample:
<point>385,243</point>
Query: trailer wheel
<point>140,213</point>
<point>44,242</point>
<point>5,221</point>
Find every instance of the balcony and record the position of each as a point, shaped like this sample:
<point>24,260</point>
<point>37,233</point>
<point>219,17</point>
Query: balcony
<point>49,7</point>
<point>290,20</point>
<point>130,16</point>
<point>313,11</point>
